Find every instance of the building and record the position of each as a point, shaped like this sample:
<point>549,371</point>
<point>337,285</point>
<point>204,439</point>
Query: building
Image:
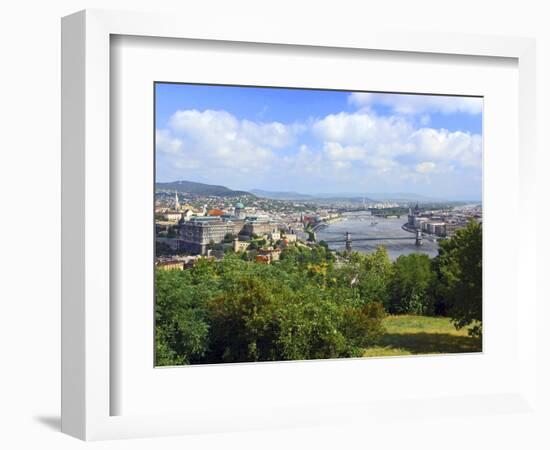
<point>410,221</point>
<point>412,216</point>
<point>198,232</point>
<point>417,222</point>
<point>170,265</point>
<point>240,246</point>
<point>440,229</point>
<point>239,211</point>
<point>176,202</point>
<point>172,216</point>
<point>268,255</point>
<point>238,225</point>
<point>187,214</point>
<point>290,237</point>
<point>215,212</point>
<point>274,235</point>
<point>451,228</point>
<point>437,228</point>
<point>259,225</point>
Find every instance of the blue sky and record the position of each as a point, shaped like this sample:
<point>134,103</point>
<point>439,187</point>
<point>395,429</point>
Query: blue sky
<point>314,141</point>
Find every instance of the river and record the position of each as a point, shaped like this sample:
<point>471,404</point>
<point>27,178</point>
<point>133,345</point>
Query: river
<point>362,225</point>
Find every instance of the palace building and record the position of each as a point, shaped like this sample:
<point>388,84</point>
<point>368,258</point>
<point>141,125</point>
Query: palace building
<point>198,232</point>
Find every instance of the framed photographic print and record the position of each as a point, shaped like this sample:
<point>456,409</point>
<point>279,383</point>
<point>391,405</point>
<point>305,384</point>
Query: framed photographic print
<point>267,229</point>
<point>385,261</point>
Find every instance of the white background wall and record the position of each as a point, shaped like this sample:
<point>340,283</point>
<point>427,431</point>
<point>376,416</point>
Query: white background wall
<point>30,190</point>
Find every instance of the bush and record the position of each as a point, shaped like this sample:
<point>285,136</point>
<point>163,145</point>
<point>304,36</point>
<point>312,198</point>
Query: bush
<point>364,325</point>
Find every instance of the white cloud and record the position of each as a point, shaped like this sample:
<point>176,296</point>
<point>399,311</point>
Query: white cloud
<point>165,143</point>
<point>223,126</point>
<point>343,149</point>
<point>335,151</point>
<point>216,142</point>
<point>374,144</point>
<point>418,104</point>
<point>362,127</point>
<point>463,148</point>
<point>425,167</point>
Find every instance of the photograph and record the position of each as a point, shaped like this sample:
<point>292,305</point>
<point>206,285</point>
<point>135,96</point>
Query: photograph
<point>294,223</point>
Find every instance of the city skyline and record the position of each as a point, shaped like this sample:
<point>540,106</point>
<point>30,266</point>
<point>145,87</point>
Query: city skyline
<point>319,141</point>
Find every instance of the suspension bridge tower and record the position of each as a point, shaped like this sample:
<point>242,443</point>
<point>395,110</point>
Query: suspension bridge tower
<point>418,240</point>
<point>348,242</point>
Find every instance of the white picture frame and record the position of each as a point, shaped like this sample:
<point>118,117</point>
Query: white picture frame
<point>87,353</point>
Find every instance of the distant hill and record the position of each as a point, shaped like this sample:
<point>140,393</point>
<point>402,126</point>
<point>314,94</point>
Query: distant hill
<point>192,187</point>
<point>368,197</point>
<point>403,196</point>
<point>281,195</point>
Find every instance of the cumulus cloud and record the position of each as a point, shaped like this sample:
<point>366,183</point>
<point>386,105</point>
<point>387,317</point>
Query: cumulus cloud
<point>385,142</point>
<point>425,167</point>
<point>443,145</point>
<point>223,127</point>
<point>418,104</point>
<point>336,152</point>
<point>360,128</point>
<point>165,143</point>
<point>346,149</point>
<point>215,142</point>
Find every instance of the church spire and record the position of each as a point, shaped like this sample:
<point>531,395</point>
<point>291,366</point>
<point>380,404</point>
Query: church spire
<point>177,201</point>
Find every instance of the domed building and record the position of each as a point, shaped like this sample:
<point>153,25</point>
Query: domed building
<point>239,210</point>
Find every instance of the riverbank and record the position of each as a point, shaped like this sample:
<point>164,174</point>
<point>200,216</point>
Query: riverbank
<point>405,227</point>
<point>327,222</point>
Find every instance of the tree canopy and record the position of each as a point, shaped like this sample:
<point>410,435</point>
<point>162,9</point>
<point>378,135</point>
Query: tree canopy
<point>459,271</point>
<point>311,303</point>
<point>236,311</point>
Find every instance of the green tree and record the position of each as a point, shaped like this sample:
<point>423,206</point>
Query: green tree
<point>236,310</point>
<point>181,329</point>
<point>409,290</point>
<point>369,274</point>
<point>243,322</point>
<point>459,266</point>
<point>376,277</point>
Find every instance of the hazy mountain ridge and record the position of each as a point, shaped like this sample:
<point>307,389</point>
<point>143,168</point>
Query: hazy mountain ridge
<point>278,195</point>
<point>368,197</point>
<point>193,187</point>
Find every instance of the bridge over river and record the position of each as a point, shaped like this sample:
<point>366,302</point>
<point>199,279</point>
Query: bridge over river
<point>417,238</point>
<point>364,232</point>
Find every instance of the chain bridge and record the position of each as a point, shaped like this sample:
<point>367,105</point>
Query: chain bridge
<point>417,237</point>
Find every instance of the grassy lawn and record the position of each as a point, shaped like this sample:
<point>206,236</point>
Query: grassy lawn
<point>420,335</point>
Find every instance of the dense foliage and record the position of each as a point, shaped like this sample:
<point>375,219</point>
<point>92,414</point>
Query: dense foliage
<point>235,310</point>
<point>459,272</point>
<point>311,304</point>
<point>410,285</point>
